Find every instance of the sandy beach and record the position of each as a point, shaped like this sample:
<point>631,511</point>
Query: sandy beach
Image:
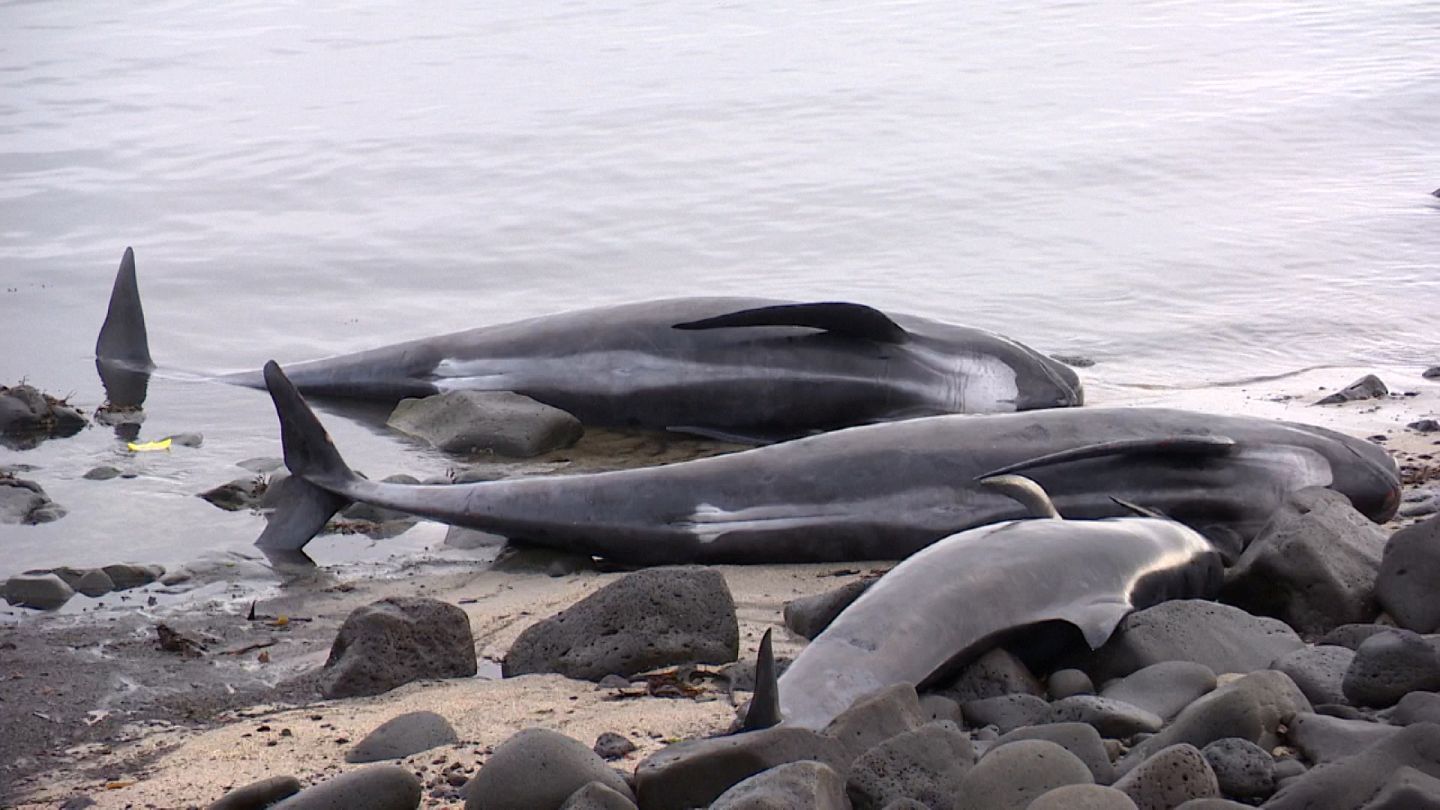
<point>93,709</point>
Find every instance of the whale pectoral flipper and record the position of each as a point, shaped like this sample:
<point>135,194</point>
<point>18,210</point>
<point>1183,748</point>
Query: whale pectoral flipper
<point>852,320</point>
<point>1197,446</point>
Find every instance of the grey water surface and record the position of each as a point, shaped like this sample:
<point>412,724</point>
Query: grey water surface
<point>1186,192</point>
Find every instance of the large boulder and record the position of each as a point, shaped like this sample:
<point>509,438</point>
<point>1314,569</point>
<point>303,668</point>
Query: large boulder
<point>807,784</point>
<point>697,772</point>
<point>486,421</point>
<point>26,413</point>
<point>39,591</point>
<point>1222,637</point>
<point>1351,782</point>
<point>1389,666</point>
<point>395,641</point>
<point>648,619</point>
<point>538,768</point>
<point>1312,565</point>
<point>1410,577</point>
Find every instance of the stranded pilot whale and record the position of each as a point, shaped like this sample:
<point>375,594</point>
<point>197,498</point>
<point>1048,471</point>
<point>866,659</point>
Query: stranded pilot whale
<point>741,368</point>
<point>955,600</point>
<point>867,493</point>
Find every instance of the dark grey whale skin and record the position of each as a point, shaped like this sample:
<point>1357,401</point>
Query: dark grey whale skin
<point>657,364</point>
<point>868,493</point>
<point>948,603</point>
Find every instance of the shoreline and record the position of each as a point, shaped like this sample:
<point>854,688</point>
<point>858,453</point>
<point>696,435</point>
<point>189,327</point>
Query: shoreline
<point>192,729</point>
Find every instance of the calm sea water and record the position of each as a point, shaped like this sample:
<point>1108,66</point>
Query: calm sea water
<point>1185,191</point>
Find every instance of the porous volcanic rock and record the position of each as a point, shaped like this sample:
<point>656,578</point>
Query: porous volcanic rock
<point>910,765</point>
<point>1410,577</point>
<point>796,784</point>
<point>395,641</point>
<point>1222,637</point>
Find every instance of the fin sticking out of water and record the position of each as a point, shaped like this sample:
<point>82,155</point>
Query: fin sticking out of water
<point>123,338</point>
<point>1199,446</point>
<point>1026,492</point>
<point>765,702</point>
<point>852,320</point>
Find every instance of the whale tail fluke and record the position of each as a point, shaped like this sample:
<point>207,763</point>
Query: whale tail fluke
<point>764,709</point>
<point>123,340</point>
<point>306,499</point>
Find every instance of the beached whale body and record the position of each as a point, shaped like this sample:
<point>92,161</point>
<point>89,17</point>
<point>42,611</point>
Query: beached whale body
<point>867,493</point>
<point>746,368</point>
<point>955,600</point>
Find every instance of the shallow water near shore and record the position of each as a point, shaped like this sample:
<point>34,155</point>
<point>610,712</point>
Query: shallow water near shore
<point>1188,195</point>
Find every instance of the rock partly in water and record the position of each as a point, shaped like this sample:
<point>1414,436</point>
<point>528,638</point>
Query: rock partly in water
<point>538,768</point>
<point>499,422</point>
<point>1222,637</point>
<point>1410,577</point>
<point>28,417</point>
<point>395,641</point>
<point>1313,565</point>
<point>1367,387</point>
<point>39,591</point>
<point>401,736</point>
<point>651,618</point>
<point>237,494</point>
<point>795,784</point>
<point>25,503</point>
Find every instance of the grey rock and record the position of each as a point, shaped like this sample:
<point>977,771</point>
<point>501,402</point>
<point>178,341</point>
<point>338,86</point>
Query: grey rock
<point>1352,781</point>
<point>26,412</point>
<point>939,707</point>
<point>1171,776</point>
<point>1424,425</point>
<point>1164,688</point>
<point>538,768</point>
<point>597,796</point>
<point>39,591</point>
<point>257,795</point>
<point>1367,387</point>
<point>809,615</point>
<point>1410,577</point>
<point>1083,797</point>
<point>1388,666</point>
<point>695,773</point>
<point>1007,712</point>
<point>1011,776</point>
<point>395,641</point>
<point>993,674</point>
<point>648,619</point>
<point>401,736</point>
<point>377,787</point>
<point>1253,707</point>
<point>1242,769</point>
<point>486,421</point>
<point>1313,565</point>
<point>1351,636</point>
<point>518,558</point>
<point>910,765</point>
<point>94,583</point>
<point>1344,711</point>
<point>25,503</point>
<point>102,473</point>
<point>1064,683</point>
<point>466,539</point>
<point>1222,637</point>
<point>1110,717</point>
<point>1325,739</point>
<point>795,784</point>
<point>1318,671</point>
<point>874,719</point>
<point>1432,373</point>
<point>610,745</point>
<point>903,804</point>
<point>1080,739</point>
<point>237,494</point>
<point>1288,768</point>
<point>129,575</point>
<point>1407,789</point>
<point>1416,707</point>
<point>227,566</point>
<point>187,439</point>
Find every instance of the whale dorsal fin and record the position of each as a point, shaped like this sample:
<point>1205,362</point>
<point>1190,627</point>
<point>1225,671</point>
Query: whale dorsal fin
<point>1028,493</point>
<point>1177,445</point>
<point>765,702</point>
<point>122,337</point>
<point>851,320</point>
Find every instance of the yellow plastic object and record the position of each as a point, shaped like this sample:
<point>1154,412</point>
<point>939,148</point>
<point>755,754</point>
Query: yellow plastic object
<point>145,447</point>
